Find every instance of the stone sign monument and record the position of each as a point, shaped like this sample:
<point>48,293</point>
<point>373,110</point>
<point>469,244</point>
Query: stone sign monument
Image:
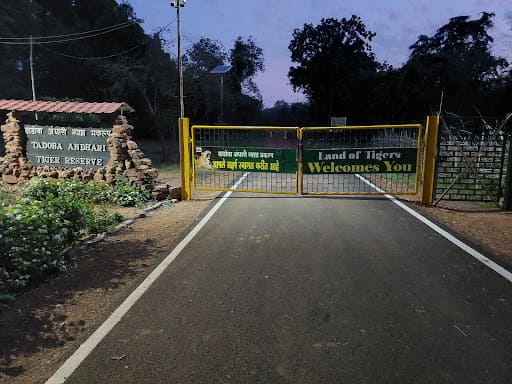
<point>84,154</point>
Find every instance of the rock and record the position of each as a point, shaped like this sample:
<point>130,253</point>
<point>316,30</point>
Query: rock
<point>119,129</point>
<point>9,179</point>
<point>160,192</point>
<point>146,161</point>
<point>99,176</point>
<point>175,193</point>
<point>151,172</point>
<point>132,172</point>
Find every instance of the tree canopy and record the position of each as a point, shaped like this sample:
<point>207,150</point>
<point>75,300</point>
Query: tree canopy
<point>339,74</point>
<point>335,65</point>
<point>457,61</point>
<point>96,50</point>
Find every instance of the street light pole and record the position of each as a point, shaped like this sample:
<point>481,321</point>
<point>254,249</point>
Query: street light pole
<point>178,4</point>
<point>221,99</point>
<point>221,70</point>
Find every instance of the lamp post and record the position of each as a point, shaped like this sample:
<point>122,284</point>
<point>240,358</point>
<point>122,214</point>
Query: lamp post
<point>178,4</point>
<point>221,70</point>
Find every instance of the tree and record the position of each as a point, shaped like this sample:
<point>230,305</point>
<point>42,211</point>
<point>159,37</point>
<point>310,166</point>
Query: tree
<point>283,113</point>
<point>121,65</point>
<point>247,60</point>
<point>14,59</point>
<point>202,86</point>
<point>458,61</point>
<point>205,54</point>
<point>335,66</point>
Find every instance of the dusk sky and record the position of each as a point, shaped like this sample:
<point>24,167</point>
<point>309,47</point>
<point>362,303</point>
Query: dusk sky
<point>271,23</point>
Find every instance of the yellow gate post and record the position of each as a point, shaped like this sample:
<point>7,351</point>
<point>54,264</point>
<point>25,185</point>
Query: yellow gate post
<point>183,126</point>
<point>429,159</point>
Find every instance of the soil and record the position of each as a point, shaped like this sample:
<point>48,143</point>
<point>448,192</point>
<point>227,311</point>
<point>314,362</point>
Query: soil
<point>487,228</point>
<point>45,325</point>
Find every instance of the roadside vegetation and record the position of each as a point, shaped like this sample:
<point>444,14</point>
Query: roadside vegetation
<point>40,221</point>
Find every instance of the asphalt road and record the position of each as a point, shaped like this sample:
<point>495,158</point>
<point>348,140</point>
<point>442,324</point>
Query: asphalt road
<point>314,290</point>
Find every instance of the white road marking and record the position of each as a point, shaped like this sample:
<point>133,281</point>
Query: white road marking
<point>72,363</point>
<point>448,236</point>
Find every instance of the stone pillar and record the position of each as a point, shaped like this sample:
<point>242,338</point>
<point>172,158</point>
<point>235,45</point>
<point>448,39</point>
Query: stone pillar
<point>15,168</point>
<point>126,158</point>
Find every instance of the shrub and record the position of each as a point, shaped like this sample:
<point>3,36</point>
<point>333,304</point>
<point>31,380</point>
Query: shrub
<point>120,193</point>
<point>127,195</point>
<point>102,220</point>
<point>33,234</point>
<point>5,198</point>
<point>94,192</point>
<point>44,219</point>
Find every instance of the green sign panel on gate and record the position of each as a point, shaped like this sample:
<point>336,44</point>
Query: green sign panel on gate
<point>360,160</point>
<point>274,160</point>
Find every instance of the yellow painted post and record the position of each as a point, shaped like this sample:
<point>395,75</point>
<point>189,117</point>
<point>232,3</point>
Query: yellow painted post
<point>183,124</point>
<point>429,159</point>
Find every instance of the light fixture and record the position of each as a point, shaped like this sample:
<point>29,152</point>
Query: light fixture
<point>182,3</point>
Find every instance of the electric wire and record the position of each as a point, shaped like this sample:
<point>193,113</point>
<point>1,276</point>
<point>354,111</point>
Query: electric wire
<point>94,57</point>
<point>27,39</point>
<point>107,56</point>
<point>63,37</point>
<point>65,40</point>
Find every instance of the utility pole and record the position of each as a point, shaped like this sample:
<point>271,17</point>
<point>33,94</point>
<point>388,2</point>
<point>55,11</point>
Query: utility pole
<point>32,71</point>
<point>221,99</point>
<point>221,70</point>
<point>178,4</point>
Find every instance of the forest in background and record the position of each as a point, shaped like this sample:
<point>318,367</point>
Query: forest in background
<point>97,50</point>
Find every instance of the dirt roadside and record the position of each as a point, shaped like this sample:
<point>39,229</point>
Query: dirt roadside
<point>485,227</point>
<point>49,322</point>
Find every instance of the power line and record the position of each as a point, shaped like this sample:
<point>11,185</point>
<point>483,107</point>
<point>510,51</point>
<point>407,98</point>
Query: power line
<point>126,23</point>
<point>96,57</point>
<point>112,29</point>
<point>107,56</point>
<point>166,26</point>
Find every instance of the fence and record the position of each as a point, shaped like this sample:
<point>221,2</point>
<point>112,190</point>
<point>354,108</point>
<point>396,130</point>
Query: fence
<point>471,165</point>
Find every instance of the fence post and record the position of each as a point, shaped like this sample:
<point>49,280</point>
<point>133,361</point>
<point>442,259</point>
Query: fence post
<point>507,203</point>
<point>183,125</point>
<point>429,159</point>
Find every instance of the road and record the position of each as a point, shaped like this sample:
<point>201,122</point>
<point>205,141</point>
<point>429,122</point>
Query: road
<point>313,290</point>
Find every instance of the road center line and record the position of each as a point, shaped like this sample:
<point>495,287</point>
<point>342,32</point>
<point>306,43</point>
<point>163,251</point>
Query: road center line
<point>72,363</point>
<point>448,236</point>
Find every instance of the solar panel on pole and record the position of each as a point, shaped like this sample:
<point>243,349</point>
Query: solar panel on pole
<point>221,70</point>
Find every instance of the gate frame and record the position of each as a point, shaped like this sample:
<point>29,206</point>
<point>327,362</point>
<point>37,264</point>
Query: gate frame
<point>429,159</point>
<point>270,129</point>
<point>184,146</point>
<point>365,127</point>
<point>427,170</point>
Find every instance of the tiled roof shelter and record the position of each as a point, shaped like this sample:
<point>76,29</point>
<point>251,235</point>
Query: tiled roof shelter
<point>63,106</point>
